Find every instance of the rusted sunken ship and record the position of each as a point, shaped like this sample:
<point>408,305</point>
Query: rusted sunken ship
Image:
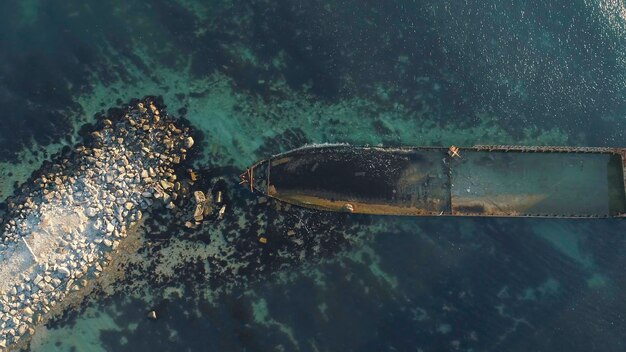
<point>505,181</point>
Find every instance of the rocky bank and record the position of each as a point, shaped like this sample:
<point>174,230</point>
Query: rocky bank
<point>61,228</point>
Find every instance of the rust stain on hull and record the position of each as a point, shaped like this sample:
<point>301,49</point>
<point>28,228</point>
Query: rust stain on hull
<point>507,205</point>
<point>357,207</point>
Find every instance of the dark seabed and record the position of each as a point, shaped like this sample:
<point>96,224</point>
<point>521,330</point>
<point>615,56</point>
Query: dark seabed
<point>258,77</point>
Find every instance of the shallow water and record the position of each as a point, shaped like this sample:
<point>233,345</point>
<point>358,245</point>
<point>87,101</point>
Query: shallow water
<point>259,77</point>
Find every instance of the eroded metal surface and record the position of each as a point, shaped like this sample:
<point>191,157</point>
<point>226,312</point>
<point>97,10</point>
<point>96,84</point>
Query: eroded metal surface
<point>496,181</point>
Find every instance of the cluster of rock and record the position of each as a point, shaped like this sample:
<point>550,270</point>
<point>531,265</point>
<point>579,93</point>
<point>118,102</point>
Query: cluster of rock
<point>61,232</point>
<point>203,205</point>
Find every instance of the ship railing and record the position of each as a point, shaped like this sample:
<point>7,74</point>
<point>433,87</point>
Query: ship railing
<point>550,149</point>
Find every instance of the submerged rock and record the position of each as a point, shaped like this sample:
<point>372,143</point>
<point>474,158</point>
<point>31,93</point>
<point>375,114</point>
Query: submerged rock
<point>189,142</point>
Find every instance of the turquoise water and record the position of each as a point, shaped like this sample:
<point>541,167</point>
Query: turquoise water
<point>259,77</point>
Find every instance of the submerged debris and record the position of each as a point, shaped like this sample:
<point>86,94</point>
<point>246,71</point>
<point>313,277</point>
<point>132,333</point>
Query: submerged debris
<point>222,211</point>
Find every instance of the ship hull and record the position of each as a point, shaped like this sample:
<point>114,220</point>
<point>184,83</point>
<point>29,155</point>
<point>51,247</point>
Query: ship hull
<point>429,181</point>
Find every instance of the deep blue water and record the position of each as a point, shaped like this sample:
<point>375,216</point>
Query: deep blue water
<point>295,72</point>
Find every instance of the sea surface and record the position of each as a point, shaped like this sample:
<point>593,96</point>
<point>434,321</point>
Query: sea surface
<point>257,77</point>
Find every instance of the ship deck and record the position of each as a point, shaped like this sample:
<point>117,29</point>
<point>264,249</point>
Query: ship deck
<point>483,181</point>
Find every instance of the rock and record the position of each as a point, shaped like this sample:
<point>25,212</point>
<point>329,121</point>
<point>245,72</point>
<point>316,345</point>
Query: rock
<point>91,212</point>
<point>63,271</point>
<point>188,142</point>
<point>152,315</point>
<point>97,135</point>
<point>222,211</point>
<point>199,197</point>
<point>198,213</point>
<point>166,184</point>
<point>193,175</point>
